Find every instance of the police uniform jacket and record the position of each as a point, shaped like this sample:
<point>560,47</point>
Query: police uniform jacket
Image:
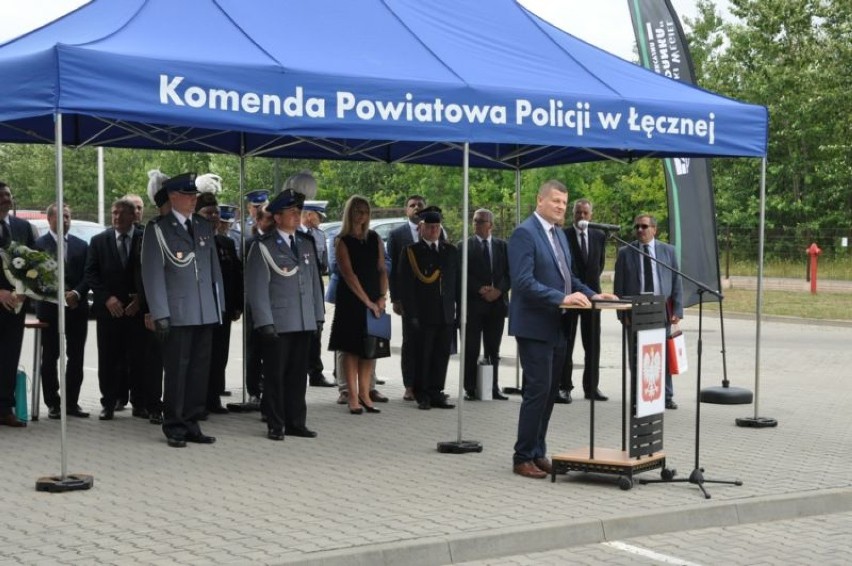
<point>181,273</point>
<point>284,289</point>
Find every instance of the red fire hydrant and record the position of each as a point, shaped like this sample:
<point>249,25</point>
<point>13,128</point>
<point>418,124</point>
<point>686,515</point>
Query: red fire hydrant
<point>813,253</point>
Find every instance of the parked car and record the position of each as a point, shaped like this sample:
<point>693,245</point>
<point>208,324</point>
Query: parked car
<point>83,229</point>
<point>382,226</point>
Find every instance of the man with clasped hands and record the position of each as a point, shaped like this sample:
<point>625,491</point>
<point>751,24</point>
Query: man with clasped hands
<point>542,281</point>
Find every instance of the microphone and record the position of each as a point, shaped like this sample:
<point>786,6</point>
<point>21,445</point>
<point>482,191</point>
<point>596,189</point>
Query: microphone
<point>584,224</point>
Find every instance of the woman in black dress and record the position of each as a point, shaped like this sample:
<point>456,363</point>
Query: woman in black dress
<point>361,261</point>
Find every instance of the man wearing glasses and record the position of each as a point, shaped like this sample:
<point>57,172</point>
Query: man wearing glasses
<point>636,274</point>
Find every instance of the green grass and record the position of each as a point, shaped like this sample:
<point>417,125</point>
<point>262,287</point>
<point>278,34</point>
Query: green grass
<point>822,306</point>
<point>834,268</point>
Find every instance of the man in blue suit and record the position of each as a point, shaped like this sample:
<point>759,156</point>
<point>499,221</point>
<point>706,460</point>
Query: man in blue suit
<point>76,319</point>
<point>632,278</point>
<point>12,313</point>
<point>542,281</point>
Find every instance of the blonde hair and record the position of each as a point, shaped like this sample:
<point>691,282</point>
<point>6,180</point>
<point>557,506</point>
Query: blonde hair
<point>348,224</point>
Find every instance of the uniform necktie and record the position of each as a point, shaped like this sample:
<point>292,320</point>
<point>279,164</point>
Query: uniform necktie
<point>561,260</point>
<point>434,247</point>
<point>293,244</point>
<point>487,254</point>
<point>188,224</point>
<point>4,234</point>
<point>583,249</point>
<point>648,274</point>
<point>122,249</point>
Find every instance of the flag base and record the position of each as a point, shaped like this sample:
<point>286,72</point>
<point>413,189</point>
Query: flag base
<point>724,395</point>
<point>460,447</point>
<point>757,422</point>
<point>72,482</point>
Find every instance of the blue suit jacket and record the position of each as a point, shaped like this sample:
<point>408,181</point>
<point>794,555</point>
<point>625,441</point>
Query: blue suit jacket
<point>538,287</point>
<point>627,282</point>
<point>75,275</point>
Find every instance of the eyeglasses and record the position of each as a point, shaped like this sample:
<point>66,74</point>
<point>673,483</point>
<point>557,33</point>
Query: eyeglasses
<point>480,221</point>
<point>641,226</point>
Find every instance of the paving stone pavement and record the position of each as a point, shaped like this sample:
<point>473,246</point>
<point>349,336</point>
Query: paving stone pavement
<point>372,489</point>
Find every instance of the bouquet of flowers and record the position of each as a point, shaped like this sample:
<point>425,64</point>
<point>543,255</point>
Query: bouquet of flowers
<point>32,272</point>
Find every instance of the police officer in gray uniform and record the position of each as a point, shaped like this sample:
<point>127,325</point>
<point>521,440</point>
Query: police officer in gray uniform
<point>284,290</point>
<point>183,288</point>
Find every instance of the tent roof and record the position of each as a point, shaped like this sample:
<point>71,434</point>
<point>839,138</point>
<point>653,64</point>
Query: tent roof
<point>384,80</point>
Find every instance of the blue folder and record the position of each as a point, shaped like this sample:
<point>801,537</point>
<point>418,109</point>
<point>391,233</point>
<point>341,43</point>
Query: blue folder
<point>379,327</point>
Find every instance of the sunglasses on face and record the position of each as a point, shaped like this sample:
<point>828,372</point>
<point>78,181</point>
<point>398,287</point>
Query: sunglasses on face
<point>641,226</point>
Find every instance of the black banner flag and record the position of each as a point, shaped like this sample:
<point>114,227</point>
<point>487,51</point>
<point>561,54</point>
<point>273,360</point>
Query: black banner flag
<point>692,207</point>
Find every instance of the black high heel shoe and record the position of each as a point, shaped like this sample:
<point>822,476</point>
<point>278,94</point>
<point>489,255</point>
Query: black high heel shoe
<point>368,408</point>
<point>357,411</point>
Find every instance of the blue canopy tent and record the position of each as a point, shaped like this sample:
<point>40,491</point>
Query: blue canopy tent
<point>465,82</point>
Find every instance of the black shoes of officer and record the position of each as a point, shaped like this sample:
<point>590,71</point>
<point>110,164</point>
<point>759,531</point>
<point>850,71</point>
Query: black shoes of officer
<point>200,438</point>
<point>176,442</point>
<point>497,396</point>
<point>301,432</point>
<point>563,397</point>
<point>54,412</point>
<point>597,395</point>
<point>76,411</point>
<point>442,404</point>
<point>319,380</point>
<point>670,404</point>
<point>107,414</point>
<point>155,417</point>
<point>275,435</point>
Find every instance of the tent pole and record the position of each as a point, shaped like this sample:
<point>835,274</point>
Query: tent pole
<point>101,212</point>
<point>757,421</point>
<point>460,446</point>
<point>64,481</point>
<point>516,390</point>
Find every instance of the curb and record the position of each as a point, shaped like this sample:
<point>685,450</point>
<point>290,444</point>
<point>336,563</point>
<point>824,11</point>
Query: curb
<point>543,537</point>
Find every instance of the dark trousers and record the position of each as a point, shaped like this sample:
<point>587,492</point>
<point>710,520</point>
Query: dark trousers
<point>186,362</point>
<point>121,369</point>
<point>484,325</point>
<point>315,365</point>
<point>408,353</point>
<point>286,360</point>
<point>432,358</point>
<point>542,366</point>
<point>218,362</point>
<point>254,359</point>
<point>11,340</point>
<point>152,376</point>
<point>591,349</point>
<point>76,330</point>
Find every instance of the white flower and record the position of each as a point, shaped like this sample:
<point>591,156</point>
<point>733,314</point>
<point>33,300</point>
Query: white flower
<point>18,262</point>
<point>50,265</point>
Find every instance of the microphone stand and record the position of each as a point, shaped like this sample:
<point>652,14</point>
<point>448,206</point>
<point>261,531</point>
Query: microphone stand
<point>697,475</point>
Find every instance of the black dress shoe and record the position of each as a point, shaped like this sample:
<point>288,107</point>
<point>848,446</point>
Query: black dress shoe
<point>225,393</point>
<point>155,417</point>
<point>302,432</point>
<point>424,405</point>
<point>12,421</point>
<point>442,404</point>
<point>320,381</point>
<point>140,413</point>
<point>275,435</point>
<point>377,397</point>
<point>670,404</point>
<point>106,414</point>
<point>120,406</point>
<point>54,413</point>
<point>498,396</point>
<point>176,442</point>
<point>380,381</point>
<point>468,396</point>
<point>76,411</point>
<point>200,438</point>
<point>597,395</point>
<point>218,410</point>
<point>563,397</point>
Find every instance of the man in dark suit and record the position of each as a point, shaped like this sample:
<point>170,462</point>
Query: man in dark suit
<point>12,312</point>
<point>183,288</point>
<point>121,336</point>
<point>588,254</point>
<point>635,274</point>
<point>429,287</point>
<point>76,320</point>
<point>398,240</point>
<point>487,300</point>
<point>542,281</point>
